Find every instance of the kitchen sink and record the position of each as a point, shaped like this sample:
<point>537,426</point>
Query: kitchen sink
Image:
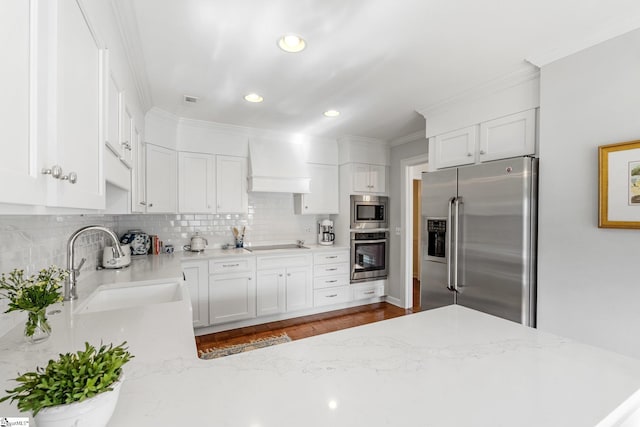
<point>116,298</point>
<point>274,247</point>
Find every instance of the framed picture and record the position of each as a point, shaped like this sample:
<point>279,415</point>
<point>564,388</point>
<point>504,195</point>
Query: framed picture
<point>619,189</point>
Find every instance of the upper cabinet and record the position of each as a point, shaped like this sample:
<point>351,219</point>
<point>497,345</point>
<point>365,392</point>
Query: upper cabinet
<point>78,109</point>
<point>323,198</point>
<point>509,136</point>
<point>138,175</point>
<point>196,183</point>
<point>19,151</point>
<point>368,178</point>
<point>161,179</point>
<point>231,184</point>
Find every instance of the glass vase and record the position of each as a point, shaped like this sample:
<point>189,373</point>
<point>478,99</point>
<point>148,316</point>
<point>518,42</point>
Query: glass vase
<point>37,328</point>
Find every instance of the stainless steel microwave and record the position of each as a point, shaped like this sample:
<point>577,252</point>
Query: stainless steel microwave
<point>369,212</point>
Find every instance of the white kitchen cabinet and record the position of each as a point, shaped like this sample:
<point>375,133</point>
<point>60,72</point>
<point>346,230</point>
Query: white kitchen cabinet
<point>284,283</point>
<point>455,148</point>
<point>323,198</point>
<point>231,184</point>
<point>196,183</point>
<point>20,154</point>
<point>367,290</point>
<point>161,179</point>
<point>232,297</point>
<point>368,178</point>
<point>79,116</point>
<point>126,135</point>
<point>510,136</point>
<point>331,277</point>
<point>138,175</point>
<point>114,107</point>
<point>197,278</point>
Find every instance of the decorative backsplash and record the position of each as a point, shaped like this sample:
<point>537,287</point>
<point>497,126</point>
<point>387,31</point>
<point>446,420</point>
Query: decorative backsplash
<point>34,242</point>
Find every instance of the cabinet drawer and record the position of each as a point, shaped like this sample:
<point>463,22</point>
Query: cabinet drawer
<point>367,291</point>
<point>231,265</point>
<point>330,281</point>
<point>330,257</point>
<point>331,270</point>
<point>330,296</point>
<point>267,262</point>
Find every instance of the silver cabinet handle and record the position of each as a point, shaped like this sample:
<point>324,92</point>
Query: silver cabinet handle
<point>331,257</point>
<point>370,292</point>
<point>142,203</point>
<point>55,171</point>
<point>469,154</point>
<point>231,265</point>
<point>331,296</point>
<point>330,281</point>
<point>332,269</point>
<point>482,152</point>
<point>126,145</point>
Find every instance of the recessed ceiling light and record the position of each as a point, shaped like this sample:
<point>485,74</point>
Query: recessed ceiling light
<point>253,97</point>
<point>291,43</point>
<point>332,113</point>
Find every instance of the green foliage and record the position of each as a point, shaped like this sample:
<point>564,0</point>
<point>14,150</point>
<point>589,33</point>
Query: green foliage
<point>72,378</point>
<point>635,171</point>
<point>34,293</point>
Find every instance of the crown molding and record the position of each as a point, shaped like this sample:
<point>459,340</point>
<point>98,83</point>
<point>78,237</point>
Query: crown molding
<point>614,29</point>
<point>415,136</point>
<point>362,140</point>
<point>164,114</point>
<point>127,26</point>
<point>524,74</point>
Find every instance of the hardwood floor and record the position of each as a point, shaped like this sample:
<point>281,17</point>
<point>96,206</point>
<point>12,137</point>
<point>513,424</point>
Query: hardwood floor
<point>308,326</point>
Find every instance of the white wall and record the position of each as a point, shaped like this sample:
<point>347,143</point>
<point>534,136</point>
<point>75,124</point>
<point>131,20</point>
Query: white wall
<point>397,288</point>
<point>589,278</point>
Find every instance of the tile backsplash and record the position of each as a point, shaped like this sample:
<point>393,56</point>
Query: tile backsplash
<point>33,242</point>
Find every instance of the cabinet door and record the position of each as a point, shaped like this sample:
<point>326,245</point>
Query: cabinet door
<point>161,179</point>
<point>455,148</point>
<point>138,175</point>
<point>232,297</point>
<point>113,118</point>
<point>377,178</point>
<point>510,136</point>
<point>198,281</point>
<point>78,112</point>
<point>231,184</point>
<point>299,288</point>
<point>360,175</point>
<point>20,159</point>
<point>270,297</point>
<point>323,198</point>
<point>196,192</point>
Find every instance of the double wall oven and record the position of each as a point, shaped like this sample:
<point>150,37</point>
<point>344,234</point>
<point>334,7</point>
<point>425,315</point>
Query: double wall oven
<point>369,238</point>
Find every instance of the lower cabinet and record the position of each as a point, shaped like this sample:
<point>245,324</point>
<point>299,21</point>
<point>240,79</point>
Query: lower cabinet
<point>284,284</point>
<point>331,278</point>
<point>197,277</point>
<point>232,297</point>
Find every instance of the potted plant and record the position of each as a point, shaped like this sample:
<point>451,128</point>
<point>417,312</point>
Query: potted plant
<point>33,295</point>
<point>79,388</point>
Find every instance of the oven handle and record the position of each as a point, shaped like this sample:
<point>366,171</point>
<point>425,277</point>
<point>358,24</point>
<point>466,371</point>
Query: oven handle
<point>369,241</point>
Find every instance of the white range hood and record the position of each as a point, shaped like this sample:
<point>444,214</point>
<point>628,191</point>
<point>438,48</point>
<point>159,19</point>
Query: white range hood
<point>278,166</point>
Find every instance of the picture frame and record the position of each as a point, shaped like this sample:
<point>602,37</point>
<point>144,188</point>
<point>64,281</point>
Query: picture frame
<point>619,185</point>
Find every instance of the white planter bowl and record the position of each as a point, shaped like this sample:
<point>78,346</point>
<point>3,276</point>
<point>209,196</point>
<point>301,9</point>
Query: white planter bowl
<point>92,412</point>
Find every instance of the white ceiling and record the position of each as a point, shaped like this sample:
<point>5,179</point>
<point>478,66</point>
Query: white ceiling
<point>376,61</point>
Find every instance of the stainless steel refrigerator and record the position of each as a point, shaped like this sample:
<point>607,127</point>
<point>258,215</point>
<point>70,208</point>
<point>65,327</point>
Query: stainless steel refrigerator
<point>479,238</point>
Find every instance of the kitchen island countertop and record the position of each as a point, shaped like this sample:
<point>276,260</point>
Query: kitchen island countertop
<point>446,367</point>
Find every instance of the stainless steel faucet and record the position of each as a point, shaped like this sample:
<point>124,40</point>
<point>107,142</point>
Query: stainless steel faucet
<point>70,292</point>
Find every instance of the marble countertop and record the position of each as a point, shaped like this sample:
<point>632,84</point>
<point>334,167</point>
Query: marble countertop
<point>446,367</point>
<point>240,252</point>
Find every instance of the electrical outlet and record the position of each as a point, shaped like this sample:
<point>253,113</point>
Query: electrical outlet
<point>307,229</point>
<point>398,231</point>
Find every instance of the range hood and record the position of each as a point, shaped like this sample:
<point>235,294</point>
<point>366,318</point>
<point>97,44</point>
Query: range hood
<point>278,166</point>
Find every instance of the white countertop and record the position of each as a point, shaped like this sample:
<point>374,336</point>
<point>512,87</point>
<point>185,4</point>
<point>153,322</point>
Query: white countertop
<point>446,367</point>
<point>240,252</point>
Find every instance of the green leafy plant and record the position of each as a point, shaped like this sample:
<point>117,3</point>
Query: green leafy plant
<point>73,377</point>
<point>33,294</point>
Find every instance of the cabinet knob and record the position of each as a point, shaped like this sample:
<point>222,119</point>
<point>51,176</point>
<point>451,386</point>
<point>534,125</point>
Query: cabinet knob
<point>73,177</point>
<point>280,275</point>
<point>289,274</point>
<point>150,205</point>
<point>482,152</point>
<point>55,171</point>
<point>469,154</point>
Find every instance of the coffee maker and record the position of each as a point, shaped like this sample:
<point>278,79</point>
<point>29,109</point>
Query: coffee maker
<point>326,236</point>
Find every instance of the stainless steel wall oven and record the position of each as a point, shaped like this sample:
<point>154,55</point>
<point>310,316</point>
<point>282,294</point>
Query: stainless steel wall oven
<point>369,255</point>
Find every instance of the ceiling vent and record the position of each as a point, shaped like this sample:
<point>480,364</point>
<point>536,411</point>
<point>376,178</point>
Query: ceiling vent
<point>190,99</point>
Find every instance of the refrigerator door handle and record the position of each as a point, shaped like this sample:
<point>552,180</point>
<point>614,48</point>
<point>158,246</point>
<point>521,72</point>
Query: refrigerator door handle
<point>456,238</point>
<point>449,241</point>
